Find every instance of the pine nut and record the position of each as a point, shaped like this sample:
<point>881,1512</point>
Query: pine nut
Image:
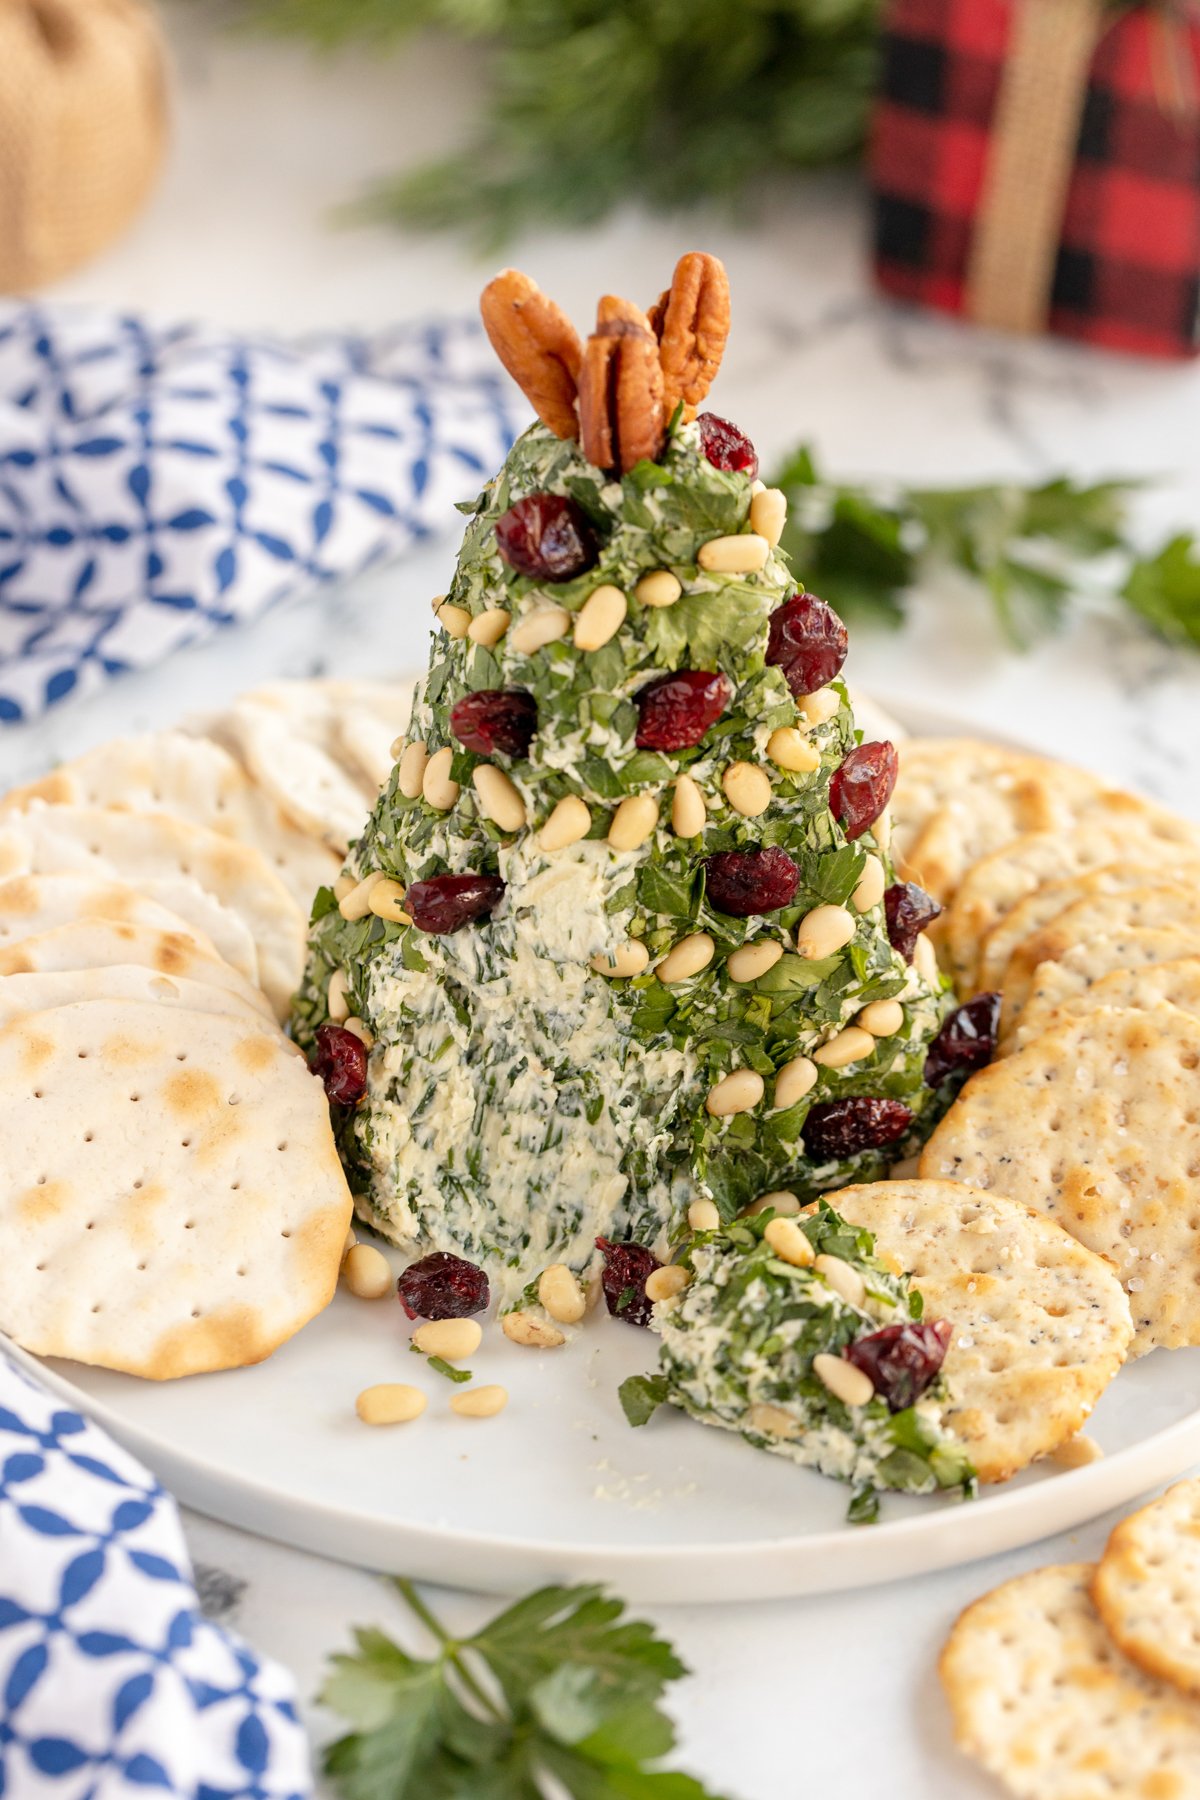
<point>780,1200</point>
<point>793,1081</point>
<point>345,884</point>
<point>819,706</point>
<point>754,960</point>
<point>871,884</point>
<point>600,617</point>
<point>849,1046</point>
<point>843,1279</point>
<point>336,1003</point>
<point>853,1387</point>
<point>534,1333</point>
<point>366,1272</point>
<point>704,1215</point>
<point>883,1018</point>
<point>690,955</point>
<point>768,514</point>
<point>772,1421</point>
<point>479,1402</point>
<point>568,823</point>
<point>630,958</point>
<point>881,830</point>
<point>1077,1452</point>
<point>747,788</point>
<point>359,1029</point>
<point>789,1243</point>
<point>689,814</point>
<point>665,1284</point>
<point>824,931</point>
<point>499,799</point>
<point>414,759</point>
<point>634,821</point>
<point>387,902</point>
<point>438,601</point>
<point>562,1296</point>
<point>790,749</point>
<point>451,1338</point>
<point>537,629</point>
<point>357,903</point>
<point>456,620</point>
<point>390,1403</point>
<point>735,1093</point>
<point>349,1244</point>
<point>744,554</point>
<point>396,747</point>
<point>487,628</point>
<point>437,787</point>
<point>659,588</point>
<point>757,487</point>
<point>925,961</point>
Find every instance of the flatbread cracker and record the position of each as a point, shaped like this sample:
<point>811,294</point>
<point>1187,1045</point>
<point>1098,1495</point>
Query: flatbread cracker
<point>1097,1125</point>
<point>107,943</point>
<point>44,990</point>
<point>178,1204</point>
<point>1044,1700</point>
<point>1140,989</point>
<point>1147,1587</point>
<point>1116,827</point>
<point>1041,1325</point>
<point>1103,916</point>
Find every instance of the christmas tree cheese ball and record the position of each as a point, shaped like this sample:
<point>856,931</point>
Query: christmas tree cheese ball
<point>616,938</point>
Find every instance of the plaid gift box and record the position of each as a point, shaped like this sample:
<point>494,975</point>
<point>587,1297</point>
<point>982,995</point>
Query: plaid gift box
<point>1035,165</point>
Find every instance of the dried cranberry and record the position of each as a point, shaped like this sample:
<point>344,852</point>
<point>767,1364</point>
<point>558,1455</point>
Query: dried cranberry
<point>340,1061</point>
<point>908,910</point>
<point>675,711</point>
<point>863,785</point>
<point>442,1286</point>
<point>840,1128</point>
<point>966,1041</point>
<point>495,719</point>
<point>547,537</point>
<point>626,1267</point>
<point>902,1360</point>
<point>744,882</point>
<point>725,446</point>
<point>447,902</point>
<point>808,641</point>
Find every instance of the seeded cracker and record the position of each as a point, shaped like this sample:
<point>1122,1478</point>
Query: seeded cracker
<point>1140,989</point>
<point>1098,1126</point>
<point>1041,1325</point>
<point>178,1204</point>
<point>1044,1700</point>
<point>1147,1587</point>
<point>1081,967</point>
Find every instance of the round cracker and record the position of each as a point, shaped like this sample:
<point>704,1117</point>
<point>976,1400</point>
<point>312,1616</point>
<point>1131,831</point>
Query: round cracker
<point>1041,1325</point>
<point>1140,989</point>
<point>178,1205</point>
<point>1147,1587</point>
<point>42,990</point>
<point>1056,984</point>
<point>1043,1699</point>
<point>285,755</point>
<point>33,903</point>
<point>1097,1125</point>
<point>107,943</point>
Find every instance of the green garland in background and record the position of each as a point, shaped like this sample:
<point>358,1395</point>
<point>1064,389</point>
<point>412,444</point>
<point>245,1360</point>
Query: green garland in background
<point>597,102</point>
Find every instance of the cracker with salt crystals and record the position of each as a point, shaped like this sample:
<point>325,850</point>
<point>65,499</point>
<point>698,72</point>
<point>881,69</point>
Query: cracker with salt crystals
<point>1178,866</point>
<point>1059,984</point>
<point>1115,828</point>
<point>177,1203</point>
<point>1041,1325</point>
<point>1041,1696</point>
<point>33,903</point>
<point>41,991</point>
<point>1147,1587</point>
<point>1097,1125</point>
<point>196,781</point>
<point>107,943</point>
<point>1139,988</point>
<point>138,847</point>
<point>1172,909</point>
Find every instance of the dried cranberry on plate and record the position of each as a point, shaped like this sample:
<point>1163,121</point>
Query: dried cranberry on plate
<point>967,1040</point>
<point>442,1286</point>
<point>623,1278</point>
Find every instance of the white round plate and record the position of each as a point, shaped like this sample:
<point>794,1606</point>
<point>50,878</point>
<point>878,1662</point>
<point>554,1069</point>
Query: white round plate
<point>559,1487</point>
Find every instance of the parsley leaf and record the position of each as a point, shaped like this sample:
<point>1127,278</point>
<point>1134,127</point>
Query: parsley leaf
<point>559,1688</point>
<point>1165,590</point>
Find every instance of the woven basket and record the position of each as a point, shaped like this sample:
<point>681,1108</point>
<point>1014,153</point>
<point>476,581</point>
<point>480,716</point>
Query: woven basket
<point>82,129</point>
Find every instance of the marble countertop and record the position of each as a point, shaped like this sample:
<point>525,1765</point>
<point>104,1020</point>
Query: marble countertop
<point>267,142</point>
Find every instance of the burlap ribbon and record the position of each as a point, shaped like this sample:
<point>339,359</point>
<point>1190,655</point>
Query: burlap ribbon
<point>82,128</point>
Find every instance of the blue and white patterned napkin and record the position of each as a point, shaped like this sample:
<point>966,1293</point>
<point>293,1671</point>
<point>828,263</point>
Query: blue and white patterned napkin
<point>158,482</point>
<point>112,1683</point>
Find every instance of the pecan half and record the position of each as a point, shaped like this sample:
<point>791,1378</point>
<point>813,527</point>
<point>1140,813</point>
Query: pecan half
<point>621,413</point>
<point>537,344</point>
<point>692,326</point>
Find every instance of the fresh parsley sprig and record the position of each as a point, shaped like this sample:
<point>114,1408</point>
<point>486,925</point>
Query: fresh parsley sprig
<point>557,1694</point>
<point>1030,550</point>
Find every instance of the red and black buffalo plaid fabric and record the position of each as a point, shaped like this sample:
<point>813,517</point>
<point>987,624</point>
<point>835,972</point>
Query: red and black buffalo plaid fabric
<point>1127,273</point>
